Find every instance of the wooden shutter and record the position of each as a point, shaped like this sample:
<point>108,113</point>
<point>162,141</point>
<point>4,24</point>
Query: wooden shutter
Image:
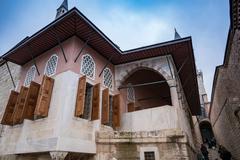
<point>8,114</point>
<point>95,102</point>
<point>18,111</point>
<point>31,101</point>
<point>131,107</point>
<point>44,97</point>
<point>116,111</point>
<point>105,106</point>
<point>79,108</point>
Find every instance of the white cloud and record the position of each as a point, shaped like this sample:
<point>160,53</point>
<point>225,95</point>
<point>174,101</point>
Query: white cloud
<point>129,29</point>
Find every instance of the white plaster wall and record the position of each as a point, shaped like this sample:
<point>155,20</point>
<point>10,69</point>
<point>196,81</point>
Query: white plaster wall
<point>75,134</point>
<point>60,131</point>
<point>159,118</point>
<point>184,123</point>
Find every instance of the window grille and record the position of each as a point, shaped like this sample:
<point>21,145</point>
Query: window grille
<point>88,66</point>
<point>130,94</point>
<point>30,76</point>
<point>149,156</point>
<point>107,78</point>
<point>111,111</point>
<point>88,102</point>
<point>51,65</point>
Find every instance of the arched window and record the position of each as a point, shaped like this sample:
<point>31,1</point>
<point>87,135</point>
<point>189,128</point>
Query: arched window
<point>131,94</point>
<point>88,66</point>
<point>30,76</point>
<point>107,78</point>
<point>51,65</point>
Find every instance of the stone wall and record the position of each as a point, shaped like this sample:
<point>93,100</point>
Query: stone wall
<point>225,106</point>
<point>167,144</point>
<point>197,134</point>
<point>6,85</point>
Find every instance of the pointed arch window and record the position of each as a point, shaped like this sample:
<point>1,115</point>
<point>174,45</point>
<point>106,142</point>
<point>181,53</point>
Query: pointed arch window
<point>30,76</point>
<point>131,94</point>
<point>51,65</point>
<point>108,78</point>
<point>88,66</point>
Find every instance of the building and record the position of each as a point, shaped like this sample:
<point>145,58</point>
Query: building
<point>205,104</point>
<point>80,96</point>
<point>202,125</point>
<point>225,102</point>
<point>203,119</point>
<point>6,81</point>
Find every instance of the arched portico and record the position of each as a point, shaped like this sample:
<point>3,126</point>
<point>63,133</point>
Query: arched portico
<point>150,95</point>
<point>206,130</point>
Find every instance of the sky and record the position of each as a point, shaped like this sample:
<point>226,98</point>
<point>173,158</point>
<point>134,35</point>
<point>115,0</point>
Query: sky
<point>131,24</point>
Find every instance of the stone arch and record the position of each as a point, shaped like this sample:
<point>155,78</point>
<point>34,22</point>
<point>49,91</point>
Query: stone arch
<point>206,129</point>
<point>130,70</point>
<point>147,96</point>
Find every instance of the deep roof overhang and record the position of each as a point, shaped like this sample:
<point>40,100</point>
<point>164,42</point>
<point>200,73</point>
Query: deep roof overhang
<point>75,23</point>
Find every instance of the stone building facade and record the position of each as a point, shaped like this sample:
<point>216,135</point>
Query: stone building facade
<point>7,85</point>
<point>81,98</point>
<point>225,106</point>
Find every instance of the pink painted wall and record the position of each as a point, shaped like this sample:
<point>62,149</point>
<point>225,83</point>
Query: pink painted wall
<point>71,46</point>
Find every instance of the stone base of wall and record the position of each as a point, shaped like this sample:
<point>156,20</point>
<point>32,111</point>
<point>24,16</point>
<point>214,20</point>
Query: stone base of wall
<point>167,144</point>
<point>171,144</point>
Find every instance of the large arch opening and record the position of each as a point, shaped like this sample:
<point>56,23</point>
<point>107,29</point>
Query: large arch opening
<point>148,95</point>
<point>206,130</point>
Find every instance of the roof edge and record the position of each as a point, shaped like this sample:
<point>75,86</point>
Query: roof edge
<point>157,45</point>
<point>214,85</point>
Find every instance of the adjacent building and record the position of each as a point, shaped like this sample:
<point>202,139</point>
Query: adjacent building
<point>79,96</point>
<point>225,101</point>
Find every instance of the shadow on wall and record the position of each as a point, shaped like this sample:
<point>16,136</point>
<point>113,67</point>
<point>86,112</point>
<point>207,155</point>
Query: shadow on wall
<point>147,96</point>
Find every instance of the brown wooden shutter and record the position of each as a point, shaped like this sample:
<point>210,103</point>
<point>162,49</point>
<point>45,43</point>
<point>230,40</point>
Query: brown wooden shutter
<point>8,114</point>
<point>44,97</point>
<point>79,108</point>
<point>18,111</point>
<point>131,107</point>
<point>95,102</point>
<point>31,101</point>
<point>105,106</point>
<point>116,111</point>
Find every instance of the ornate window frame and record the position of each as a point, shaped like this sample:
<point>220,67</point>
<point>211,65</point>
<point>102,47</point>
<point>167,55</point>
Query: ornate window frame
<point>94,66</point>
<point>110,85</point>
<point>47,64</point>
<point>28,79</point>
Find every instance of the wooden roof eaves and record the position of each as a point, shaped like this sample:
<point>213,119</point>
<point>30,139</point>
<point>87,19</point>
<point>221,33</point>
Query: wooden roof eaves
<point>52,24</point>
<point>157,45</point>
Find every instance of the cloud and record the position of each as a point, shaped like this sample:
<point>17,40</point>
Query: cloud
<point>127,27</point>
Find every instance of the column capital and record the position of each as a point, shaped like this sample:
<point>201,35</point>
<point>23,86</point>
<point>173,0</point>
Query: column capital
<point>172,83</point>
<point>58,155</point>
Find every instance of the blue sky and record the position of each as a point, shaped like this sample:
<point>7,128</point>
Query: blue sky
<point>131,23</point>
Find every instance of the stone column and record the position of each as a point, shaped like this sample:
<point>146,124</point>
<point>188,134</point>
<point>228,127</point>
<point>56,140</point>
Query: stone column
<point>173,91</point>
<point>58,155</point>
